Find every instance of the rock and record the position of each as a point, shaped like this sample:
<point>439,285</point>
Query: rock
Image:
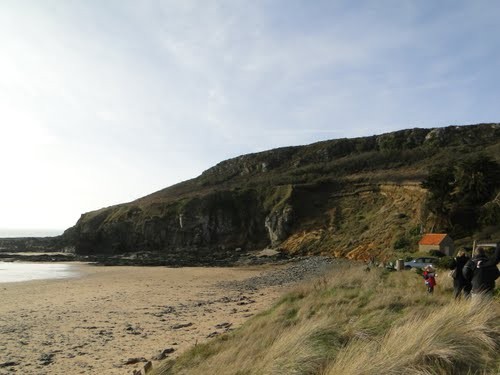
<point>9,364</point>
<point>268,253</point>
<point>278,224</point>
<point>192,240</point>
<point>46,358</point>
<point>35,245</point>
<point>223,325</point>
<point>181,325</point>
<point>103,332</point>
<point>148,367</point>
<point>163,354</point>
<point>131,330</point>
<point>133,361</point>
<point>296,271</point>
<point>165,311</point>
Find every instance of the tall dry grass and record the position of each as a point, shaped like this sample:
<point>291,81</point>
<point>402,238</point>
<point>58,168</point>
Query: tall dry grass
<point>356,322</point>
<point>459,338</point>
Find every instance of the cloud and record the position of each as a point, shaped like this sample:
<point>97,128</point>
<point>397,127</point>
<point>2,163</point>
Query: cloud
<point>102,102</point>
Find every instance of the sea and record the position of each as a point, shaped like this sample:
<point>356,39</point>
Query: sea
<point>15,232</point>
<point>23,271</point>
<point>20,271</point>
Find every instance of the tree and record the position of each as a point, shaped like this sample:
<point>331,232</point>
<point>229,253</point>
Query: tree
<point>476,179</point>
<point>456,190</point>
<point>439,183</point>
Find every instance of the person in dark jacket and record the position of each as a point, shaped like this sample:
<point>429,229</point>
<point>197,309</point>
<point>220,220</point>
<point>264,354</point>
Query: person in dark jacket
<point>482,272</point>
<point>460,283</point>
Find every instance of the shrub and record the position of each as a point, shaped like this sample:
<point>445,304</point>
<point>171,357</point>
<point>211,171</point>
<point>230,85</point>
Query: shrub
<point>436,253</point>
<point>401,243</point>
<point>490,214</point>
<point>445,262</point>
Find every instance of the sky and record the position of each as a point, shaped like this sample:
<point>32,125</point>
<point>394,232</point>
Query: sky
<point>105,101</point>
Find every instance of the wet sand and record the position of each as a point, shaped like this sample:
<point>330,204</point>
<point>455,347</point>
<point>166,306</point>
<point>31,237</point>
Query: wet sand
<point>96,323</point>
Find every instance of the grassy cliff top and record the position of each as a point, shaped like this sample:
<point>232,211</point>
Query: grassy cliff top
<point>404,154</point>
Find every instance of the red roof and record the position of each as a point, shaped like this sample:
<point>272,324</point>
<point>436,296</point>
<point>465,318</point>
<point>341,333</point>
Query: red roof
<point>432,239</point>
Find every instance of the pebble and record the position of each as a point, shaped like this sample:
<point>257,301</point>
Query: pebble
<point>181,325</point>
<point>133,361</point>
<point>163,354</point>
<point>299,269</point>
<point>9,364</point>
<point>46,358</point>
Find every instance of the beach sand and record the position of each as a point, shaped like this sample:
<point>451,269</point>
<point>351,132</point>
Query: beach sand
<point>95,323</point>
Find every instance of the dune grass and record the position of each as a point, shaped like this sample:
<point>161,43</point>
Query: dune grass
<point>356,322</point>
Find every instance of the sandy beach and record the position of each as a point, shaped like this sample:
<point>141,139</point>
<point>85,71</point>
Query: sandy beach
<point>108,316</point>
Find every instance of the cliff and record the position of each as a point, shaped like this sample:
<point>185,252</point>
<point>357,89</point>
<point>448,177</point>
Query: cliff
<point>356,197</point>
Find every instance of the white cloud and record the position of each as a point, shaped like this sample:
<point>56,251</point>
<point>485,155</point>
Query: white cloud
<point>102,102</point>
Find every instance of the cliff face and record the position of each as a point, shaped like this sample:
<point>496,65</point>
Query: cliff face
<point>219,220</point>
<point>350,197</point>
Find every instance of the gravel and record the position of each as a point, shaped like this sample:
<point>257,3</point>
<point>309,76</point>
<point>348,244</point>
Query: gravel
<point>297,270</point>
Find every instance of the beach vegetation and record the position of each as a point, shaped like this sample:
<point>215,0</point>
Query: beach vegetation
<point>355,322</point>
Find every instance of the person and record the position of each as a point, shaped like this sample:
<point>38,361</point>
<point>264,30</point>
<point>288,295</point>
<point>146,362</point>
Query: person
<point>482,272</point>
<point>460,283</point>
<point>430,278</point>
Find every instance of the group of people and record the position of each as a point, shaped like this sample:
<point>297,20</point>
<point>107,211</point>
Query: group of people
<point>471,276</point>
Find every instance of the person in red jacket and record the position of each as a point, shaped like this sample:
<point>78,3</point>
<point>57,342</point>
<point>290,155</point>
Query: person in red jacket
<point>430,278</point>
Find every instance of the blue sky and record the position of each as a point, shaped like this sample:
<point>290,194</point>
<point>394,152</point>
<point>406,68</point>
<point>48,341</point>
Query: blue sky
<point>102,102</point>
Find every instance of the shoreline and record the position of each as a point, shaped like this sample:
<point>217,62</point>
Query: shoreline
<point>113,315</point>
<point>21,271</point>
<point>151,259</point>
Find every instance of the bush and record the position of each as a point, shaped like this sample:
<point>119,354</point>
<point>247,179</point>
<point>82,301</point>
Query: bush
<point>490,214</point>
<point>445,262</point>
<point>401,243</point>
<point>437,253</point>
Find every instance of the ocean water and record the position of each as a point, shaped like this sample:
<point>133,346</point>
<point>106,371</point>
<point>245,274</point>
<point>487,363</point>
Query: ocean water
<point>19,271</point>
<point>9,232</point>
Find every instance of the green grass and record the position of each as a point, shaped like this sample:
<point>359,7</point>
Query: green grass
<point>357,322</point>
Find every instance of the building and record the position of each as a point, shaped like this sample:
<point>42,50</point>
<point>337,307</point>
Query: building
<point>437,241</point>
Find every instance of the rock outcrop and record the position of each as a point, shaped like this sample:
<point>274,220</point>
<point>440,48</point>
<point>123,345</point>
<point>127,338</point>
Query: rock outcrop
<point>34,244</point>
<point>278,224</point>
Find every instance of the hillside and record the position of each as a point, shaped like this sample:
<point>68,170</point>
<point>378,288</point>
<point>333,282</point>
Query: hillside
<point>358,197</point>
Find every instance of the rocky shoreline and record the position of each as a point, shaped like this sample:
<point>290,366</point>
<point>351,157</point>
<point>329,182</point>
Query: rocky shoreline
<point>296,270</point>
<point>150,259</point>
